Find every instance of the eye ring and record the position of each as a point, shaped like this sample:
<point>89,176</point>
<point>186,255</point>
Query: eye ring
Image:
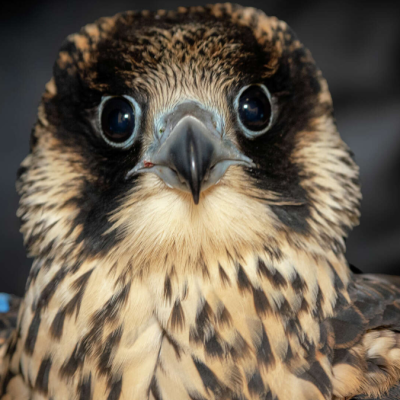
<point>265,122</point>
<point>137,113</point>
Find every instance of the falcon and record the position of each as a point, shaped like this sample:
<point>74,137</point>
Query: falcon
<point>186,202</point>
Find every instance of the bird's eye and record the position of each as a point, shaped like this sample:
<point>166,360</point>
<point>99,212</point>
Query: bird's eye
<point>254,109</point>
<point>117,121</point>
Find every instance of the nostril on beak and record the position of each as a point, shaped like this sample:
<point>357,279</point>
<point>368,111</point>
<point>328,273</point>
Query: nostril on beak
<point>191,155</point>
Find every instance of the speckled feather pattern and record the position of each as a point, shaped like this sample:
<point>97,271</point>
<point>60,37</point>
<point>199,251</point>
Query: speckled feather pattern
<point>137,293</point>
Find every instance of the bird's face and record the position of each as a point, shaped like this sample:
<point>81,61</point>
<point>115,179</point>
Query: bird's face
<point>192,135</point>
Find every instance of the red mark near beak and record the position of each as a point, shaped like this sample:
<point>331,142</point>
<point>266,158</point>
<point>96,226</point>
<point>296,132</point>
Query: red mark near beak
<point>148,164</point>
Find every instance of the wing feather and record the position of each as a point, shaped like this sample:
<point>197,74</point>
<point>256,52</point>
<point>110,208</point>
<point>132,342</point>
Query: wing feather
<point>367,336</point>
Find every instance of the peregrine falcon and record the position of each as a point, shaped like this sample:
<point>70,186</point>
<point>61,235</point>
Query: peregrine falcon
<point>186,201</point>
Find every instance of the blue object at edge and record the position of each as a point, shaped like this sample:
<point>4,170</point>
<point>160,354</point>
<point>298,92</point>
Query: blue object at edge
<point>4,302</point>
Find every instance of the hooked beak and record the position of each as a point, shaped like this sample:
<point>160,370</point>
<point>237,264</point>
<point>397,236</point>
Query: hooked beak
<point>191,155</point>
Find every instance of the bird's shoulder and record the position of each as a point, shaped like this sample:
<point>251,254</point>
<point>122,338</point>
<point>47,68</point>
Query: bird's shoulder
<point>367,339</point>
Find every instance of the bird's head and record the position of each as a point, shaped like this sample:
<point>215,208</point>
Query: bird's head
<point>181,137</point>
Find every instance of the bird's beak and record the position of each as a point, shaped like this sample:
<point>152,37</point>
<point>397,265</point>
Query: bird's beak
<point>191,155</point>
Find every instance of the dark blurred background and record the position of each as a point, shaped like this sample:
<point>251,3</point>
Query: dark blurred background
<point>355,43</point>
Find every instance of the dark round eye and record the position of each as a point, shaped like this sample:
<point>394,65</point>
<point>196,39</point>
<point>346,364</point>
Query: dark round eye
<point>254,109</point>
<point>117,119</point>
